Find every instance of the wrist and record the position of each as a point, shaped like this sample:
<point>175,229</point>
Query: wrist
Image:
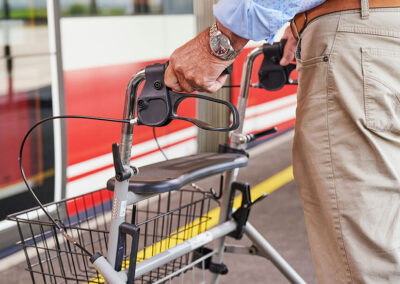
<point>204,45</point>
<point>237,42</point>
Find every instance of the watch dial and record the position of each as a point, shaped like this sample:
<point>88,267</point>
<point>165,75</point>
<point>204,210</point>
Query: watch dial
<point>219,44</point>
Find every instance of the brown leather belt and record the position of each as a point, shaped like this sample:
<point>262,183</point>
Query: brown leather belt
<point>301,20</point>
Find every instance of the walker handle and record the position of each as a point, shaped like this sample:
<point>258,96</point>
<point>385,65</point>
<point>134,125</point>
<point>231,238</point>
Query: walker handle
<point>158,105</point>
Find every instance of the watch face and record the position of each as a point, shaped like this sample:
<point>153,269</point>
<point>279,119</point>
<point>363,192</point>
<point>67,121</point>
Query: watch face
<point>219,44</point>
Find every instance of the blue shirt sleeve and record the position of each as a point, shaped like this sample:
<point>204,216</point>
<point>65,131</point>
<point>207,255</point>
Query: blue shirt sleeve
<point>259,19</point>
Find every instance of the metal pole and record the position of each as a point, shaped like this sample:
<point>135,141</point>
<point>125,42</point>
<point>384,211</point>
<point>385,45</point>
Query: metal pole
<point>230,177</point>
<point>183,248</point>
<point>121,188</point>
<point>7,47</point>
<point>269,252</point>
<point>58,98</point>
<point>208,141</point>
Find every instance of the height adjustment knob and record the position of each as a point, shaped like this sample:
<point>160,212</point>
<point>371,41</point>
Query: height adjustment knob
<point>121,173</point>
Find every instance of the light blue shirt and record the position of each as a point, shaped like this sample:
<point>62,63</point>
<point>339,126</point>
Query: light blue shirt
<point>259,19</point>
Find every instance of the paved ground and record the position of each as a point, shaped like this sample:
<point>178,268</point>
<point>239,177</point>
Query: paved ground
<point>279,218</point>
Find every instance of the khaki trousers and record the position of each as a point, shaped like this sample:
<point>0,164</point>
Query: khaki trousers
<point>346,153</point>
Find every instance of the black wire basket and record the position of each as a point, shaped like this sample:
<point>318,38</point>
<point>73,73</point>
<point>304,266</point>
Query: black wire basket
<point>164,221</point>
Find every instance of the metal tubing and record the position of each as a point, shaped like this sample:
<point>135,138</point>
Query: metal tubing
<point>133,198</point>
<point>129,114</point>
<point>185,268</point>
<point>269,252</point>
<point>117,218</point>
<point>58,98</point>
<point>183,248</point>
<point>108,272</point>
<point>244,89</point>
<point>231,175</point>
<point>121,188</point>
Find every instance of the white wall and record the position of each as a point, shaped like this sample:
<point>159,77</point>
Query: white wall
<point>101,41</point>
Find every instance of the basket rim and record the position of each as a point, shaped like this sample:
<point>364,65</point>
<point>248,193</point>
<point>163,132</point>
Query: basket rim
<point>16,217</point>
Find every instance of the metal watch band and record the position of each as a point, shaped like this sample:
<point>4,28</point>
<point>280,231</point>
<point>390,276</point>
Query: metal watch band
<point>230,53</point>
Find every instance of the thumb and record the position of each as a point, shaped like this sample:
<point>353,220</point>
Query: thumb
<point>171,80</point>
<point>284,61</point>
<point>217,84</point>
<point>221,80</point>
<point>288,52</point>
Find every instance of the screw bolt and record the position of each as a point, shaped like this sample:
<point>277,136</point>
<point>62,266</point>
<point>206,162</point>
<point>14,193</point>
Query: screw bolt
<point>158,85</point>
<point>135,170</point>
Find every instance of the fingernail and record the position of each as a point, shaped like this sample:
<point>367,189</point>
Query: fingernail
<point>284,61</point>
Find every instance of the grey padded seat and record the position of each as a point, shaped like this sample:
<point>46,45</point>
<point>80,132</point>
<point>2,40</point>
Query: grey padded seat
<point>173,174</point>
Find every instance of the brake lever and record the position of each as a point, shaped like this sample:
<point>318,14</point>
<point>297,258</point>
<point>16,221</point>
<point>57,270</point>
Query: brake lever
<point>272,75</point>
<point>177,98</point>
<point>158,105</point>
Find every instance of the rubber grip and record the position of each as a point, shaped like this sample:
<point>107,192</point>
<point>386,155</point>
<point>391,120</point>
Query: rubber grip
<point>228,70</point>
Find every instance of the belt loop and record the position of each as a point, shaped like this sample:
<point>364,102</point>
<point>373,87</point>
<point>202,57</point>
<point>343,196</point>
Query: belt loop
<point>364,9</point>
<point>293,27</point>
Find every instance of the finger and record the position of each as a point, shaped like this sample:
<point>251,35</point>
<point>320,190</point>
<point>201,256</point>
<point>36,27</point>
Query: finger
<point>171,80</point>
<point>215,86</point>
<point>289,51</point>
<point>221,79</point>
<point>184,84</point>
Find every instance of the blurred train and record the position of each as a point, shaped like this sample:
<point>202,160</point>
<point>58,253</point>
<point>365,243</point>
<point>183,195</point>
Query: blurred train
<point>100,54</point>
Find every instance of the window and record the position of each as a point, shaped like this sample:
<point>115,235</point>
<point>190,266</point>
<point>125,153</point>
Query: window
<point>125,7</point>
<point>25,98</point>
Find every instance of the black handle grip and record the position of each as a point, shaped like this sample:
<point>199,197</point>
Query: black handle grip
<point>272,75</point>
<point>228,70</point>
<point>264,133</point>
<point>158,105</point>
<point>177,99</point>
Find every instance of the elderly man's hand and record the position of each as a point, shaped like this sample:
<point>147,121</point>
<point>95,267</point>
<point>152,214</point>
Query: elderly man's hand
<point>192,66</point>
<point>289,51</point>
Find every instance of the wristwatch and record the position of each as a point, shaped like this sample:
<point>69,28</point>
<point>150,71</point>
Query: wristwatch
<point>221,45</point>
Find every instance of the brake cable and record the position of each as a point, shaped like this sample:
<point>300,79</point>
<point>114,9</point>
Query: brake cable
<point>59,227</point>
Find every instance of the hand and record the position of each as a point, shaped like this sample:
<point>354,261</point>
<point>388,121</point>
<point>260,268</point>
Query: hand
<point>192,67</point>
<point>290,47</point>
